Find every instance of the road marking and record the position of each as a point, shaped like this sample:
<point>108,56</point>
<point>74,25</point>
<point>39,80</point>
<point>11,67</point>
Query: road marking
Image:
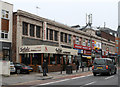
<point>54,82</point>
<point>90,83</point>
<point>81,76</point>
<point>62,80</point>
<point>109,77</point>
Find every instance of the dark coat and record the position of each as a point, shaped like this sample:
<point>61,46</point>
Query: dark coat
<point>45,65</point>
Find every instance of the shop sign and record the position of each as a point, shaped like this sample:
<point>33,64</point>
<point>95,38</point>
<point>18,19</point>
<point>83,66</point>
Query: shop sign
<point>87,52</point>
<point>82,47</point>
<point>24,49</point>
<point>6,48</point>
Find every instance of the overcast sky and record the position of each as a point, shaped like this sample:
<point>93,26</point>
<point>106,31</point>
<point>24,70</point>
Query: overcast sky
<point>72,12</point>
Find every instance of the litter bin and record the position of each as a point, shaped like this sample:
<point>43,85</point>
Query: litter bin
<point>68,69</point>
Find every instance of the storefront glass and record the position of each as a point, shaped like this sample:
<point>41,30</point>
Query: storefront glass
<point>52,58</point>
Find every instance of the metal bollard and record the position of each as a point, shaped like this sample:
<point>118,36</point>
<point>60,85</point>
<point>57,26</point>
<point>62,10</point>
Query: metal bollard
<point>88,68</point>
<point>82,69</point>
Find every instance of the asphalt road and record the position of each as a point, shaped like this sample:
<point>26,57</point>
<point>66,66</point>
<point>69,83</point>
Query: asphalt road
<point>86,81</point>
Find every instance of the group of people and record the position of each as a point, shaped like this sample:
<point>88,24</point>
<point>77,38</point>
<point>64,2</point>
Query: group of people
<point>45,66</point>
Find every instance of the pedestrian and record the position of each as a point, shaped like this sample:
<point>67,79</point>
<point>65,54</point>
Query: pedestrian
<point>77,65</point>
<point>45,68</point>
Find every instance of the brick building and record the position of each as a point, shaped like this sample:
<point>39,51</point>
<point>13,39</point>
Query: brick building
<point>6,12</point>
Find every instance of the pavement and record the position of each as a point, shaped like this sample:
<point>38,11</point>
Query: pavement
<point>34,78</point>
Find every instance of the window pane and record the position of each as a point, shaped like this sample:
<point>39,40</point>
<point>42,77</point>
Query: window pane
<point>52,59</point>
<point>69,39</point>
<point>2,35</point>
<point>6,35</point>
<point>25,28</point>
<point>47,33</point>
<point>32,30</point>
<point>38,31</point>
<point>56,36</point>
<point>65,38</point>
<point>51,34</point>
<point>61,36</point>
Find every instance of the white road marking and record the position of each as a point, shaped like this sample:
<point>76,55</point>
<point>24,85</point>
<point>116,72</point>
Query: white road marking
<point>90,83</point>
<point>54,82</point>
<point>109,77</point>
<point>81,76</point>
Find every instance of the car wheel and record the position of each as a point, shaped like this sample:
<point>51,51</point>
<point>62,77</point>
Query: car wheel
<point>110,73</point>
<point>18,71</point>
<point>94,74</point>
<point>115,71</point>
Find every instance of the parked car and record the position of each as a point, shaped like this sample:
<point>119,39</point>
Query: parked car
<point>103,66</point>
<point>22,68</point>
<point>12,67</point>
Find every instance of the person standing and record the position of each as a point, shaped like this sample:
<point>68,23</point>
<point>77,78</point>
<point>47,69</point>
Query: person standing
<point>77,65</point>
<point>45,68</point>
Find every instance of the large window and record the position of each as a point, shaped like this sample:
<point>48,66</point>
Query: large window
<point>6,54</point>
<point>4,35</point>
<point>65,38</point>
<point>69,38</point>
<point>77,40</point>
<point>5,14</point>
<point>51,34</point>
<point>32,30</point>
<point>38,31</point>
<point>61,36</point>
<point>52,59</point>
<point>56,36</point>
<point>25,28</point>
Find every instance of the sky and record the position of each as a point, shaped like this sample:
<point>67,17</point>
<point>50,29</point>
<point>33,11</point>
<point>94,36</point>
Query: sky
<point>72,12</point>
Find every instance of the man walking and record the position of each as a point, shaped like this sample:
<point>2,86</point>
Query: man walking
<point>45,67</point>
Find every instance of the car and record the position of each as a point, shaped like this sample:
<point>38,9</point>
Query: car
<point>12,67</point>
<point>103,66</point>
<point>22,68</point>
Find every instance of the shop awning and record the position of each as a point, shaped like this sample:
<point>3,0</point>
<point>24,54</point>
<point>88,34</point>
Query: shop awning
<point>87,56</point>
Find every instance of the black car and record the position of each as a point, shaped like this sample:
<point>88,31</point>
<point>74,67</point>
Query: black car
<point>22,68</point>
<point>103,66</point>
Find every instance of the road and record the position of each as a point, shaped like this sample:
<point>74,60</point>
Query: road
<point>85,81</point>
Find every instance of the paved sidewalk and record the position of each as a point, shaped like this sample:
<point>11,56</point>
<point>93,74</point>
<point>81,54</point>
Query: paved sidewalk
<point>23,78</point>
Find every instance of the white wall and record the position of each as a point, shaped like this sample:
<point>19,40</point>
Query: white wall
<point>8,7</point>
<point>4,68</point>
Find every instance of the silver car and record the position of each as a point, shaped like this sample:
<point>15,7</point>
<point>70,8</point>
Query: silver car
<point>103,66</point>
<point>12,67</point>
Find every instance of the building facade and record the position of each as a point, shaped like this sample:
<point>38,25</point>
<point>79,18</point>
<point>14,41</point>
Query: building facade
<point>6,12</point>
<point>36,38</point>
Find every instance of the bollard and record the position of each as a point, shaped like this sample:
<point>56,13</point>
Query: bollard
<point>82,69</point>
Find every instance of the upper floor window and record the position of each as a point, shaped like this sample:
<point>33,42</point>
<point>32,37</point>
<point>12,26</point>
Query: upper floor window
<point>69,38</point>
<point>77,40</point>
<point>5,14</point>
<point>25,28</point>
<point>89,43</point>
<point>32,29</point>
<point>61,36</point>
<point>4,35</point>
<point>56,36</point>
<point>51,34</point>
<point>84,43</point>
<point>65,38</point>
<point>47,33</point>
<point>38,31</point>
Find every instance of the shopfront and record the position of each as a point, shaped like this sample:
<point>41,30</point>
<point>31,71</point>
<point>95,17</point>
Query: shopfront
<point>84,52</point>
<point>55,56</point>
<point>5,51</point>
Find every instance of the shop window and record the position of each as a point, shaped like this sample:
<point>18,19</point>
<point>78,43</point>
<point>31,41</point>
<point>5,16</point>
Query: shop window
<point>58,59</point>
<point>52,59</point>
<point>61,36</point>
<point>51,34</point>
<point>46,57</point>
<point>5,14</point>
<point>56,36</point>
<point>69,38</point>
<point>38,31</point>
<point>64,59</point>
<point>25,28</point>
<point>6,54</point>
<point>36,59</point>
<point>84,43</point>
<point>32,29</point>
<point>26,59</point>
<point>65,38</point>
<point>69,58</point>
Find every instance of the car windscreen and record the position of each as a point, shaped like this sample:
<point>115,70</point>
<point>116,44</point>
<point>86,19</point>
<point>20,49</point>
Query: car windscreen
<point>99,62</point>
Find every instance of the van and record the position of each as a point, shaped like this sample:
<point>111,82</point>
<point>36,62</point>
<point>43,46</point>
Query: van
<point>103,66</point>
